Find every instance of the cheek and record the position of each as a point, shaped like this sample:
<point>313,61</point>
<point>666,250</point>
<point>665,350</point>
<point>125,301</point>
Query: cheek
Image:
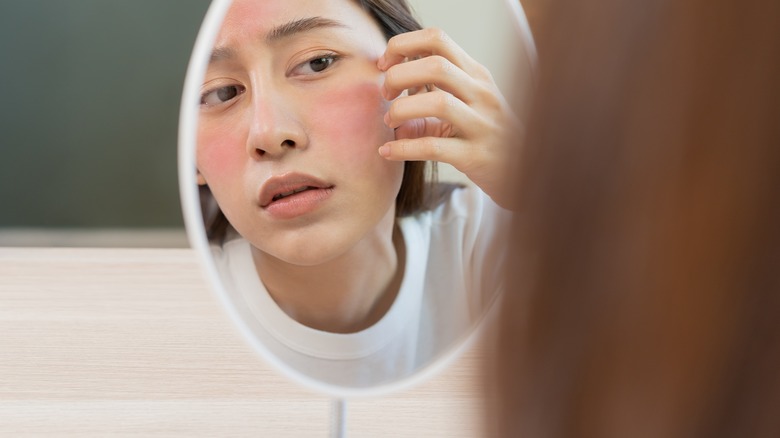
<point>221,160</point>
<point>351,118</point>
<point>218,153</point>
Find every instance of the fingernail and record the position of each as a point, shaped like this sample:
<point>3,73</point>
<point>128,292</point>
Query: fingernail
<point>381,63</point>
<point>384,150</point>
<point>386,119</point>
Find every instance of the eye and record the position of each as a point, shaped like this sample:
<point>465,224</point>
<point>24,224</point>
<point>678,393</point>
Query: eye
<point>320,64</point>
<point>217,96</point>
<point>315,65</point>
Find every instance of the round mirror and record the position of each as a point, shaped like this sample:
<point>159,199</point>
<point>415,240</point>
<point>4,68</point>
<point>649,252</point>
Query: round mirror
<point>351,272</point>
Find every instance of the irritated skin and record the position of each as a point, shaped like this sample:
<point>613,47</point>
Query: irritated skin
<point>330,266</point>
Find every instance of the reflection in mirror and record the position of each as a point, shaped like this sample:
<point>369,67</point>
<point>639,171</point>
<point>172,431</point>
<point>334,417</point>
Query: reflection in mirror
<point>343,258</point>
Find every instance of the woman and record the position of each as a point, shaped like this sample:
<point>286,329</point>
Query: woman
<point>353,271</point>
<point>644,290</point>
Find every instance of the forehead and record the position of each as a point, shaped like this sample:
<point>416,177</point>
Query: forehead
<point>255,19</point>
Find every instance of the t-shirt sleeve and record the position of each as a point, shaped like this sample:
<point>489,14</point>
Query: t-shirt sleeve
<point>478,230</point>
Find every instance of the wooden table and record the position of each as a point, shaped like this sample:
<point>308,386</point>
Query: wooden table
<point>131,342</point>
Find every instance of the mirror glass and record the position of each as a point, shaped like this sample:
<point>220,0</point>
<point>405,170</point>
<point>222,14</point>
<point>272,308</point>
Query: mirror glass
<point>352,273</point>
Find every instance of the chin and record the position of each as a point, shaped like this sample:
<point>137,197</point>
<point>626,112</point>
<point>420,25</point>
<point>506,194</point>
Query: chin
<point>324,241</point>
<point>306,259</point>
<point>305,251</point>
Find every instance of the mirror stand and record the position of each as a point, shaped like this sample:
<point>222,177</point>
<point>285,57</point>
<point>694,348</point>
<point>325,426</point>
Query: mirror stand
<point>338,418</point>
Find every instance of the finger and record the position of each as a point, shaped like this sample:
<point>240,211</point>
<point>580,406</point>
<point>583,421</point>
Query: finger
<point>417,128</point>
<point>436,104</point>
<point>435,70</point>
<point>453,151</point>
<point>427,42</point>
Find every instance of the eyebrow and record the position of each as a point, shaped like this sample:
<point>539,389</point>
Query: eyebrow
<point>300,26</point>
<point>281,32</point>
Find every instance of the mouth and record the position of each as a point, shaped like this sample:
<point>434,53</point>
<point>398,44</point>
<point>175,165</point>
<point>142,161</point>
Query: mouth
<point>279,196</point>
<point>288,186</point>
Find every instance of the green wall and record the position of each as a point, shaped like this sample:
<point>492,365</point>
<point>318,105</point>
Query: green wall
<point>89,95</point>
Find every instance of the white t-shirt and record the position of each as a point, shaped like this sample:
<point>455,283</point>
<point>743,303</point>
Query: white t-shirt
<point>454,260</point>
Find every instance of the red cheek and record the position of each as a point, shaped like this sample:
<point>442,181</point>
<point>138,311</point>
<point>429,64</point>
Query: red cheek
<point>217,153</point>
<point>351,117</point>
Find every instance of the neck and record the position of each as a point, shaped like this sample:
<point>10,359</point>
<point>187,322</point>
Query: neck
<point>343,295</point>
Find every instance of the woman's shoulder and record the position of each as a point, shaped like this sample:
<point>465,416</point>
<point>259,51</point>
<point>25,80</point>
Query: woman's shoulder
<point>467,216</point>
<point>229,253</point>
<point>466,202</point>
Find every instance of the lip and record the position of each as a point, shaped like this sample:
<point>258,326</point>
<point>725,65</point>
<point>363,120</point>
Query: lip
<point>308,190</point>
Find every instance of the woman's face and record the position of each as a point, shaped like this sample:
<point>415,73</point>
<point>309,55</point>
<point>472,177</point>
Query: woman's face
<point>291,120</point>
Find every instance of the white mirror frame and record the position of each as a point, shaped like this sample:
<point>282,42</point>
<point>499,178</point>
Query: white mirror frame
<point>196,233</point>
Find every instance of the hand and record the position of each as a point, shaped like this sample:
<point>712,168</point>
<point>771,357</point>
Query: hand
<point>460,117</point>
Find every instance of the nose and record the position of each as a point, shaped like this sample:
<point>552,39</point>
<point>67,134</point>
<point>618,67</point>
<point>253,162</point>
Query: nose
<point>275,127</point>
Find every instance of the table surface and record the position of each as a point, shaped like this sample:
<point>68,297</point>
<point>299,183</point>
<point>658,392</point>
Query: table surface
<point>131,342</point>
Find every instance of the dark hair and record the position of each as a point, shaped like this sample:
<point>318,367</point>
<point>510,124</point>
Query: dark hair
<point>417,193</point>
<point>644,290</point>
